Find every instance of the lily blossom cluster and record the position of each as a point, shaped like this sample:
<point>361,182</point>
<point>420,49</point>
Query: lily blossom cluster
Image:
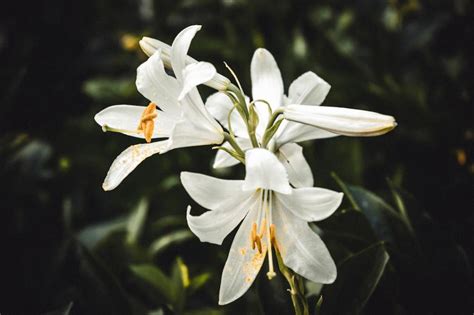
<point>275,201</point>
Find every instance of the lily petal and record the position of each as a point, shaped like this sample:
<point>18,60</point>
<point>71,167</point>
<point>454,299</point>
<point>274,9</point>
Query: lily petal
<point>224,159</point>
<point>214,226</point>
<point>125,119</point>
<point>291,131</point>
<point>265,171</point>
<point>189,133</point>
<point>219,105</point>
<point>343,121</point>
<point>311,203</point>
<point>243,263</point>
<point>151,45</point>
<point>157,86</point>
<point>267,83</point>
<point>299,172</point>
<point>308,89</point>
<point>128,160</point>
<point>180,47</point>
<point>302,250</point>
<point>213,193</point>
<point>196,74</point>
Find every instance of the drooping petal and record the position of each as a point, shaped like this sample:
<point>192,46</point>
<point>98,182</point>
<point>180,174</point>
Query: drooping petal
<point>219,105</point>
<point>344,121</point>
<point>157,86</point>
<point>224,159</point>
<point>180,47</point>
<point>213,193</point>
<point>128,160</point>
<point>243,263</point>
<point>311,203</point>
<point>302,250</point>
<point>265,171</point>
<point>213,226</point>
<point>267,83</point>
<point>299,172</point>
<point>196,74</point>
<point>308,89</point>
<point>291,131</point>
<point>151,45</point>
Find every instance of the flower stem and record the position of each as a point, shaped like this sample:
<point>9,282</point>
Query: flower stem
<point>244,113</point>
<point>300,304</point>
<point>234,144</point>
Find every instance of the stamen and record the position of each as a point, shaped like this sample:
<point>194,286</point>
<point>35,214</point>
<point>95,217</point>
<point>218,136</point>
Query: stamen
<point>147,123</point>
<point>253,235</point>
<point>272,234</point>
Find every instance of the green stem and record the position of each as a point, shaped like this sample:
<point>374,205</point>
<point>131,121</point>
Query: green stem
<point>243,105</point>
<point>234,144</point>
<point>266,138</point>
<point>300,304</point>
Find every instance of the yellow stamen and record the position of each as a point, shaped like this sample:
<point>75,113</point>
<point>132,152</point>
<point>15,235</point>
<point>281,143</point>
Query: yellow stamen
<point>147,121</point>
<point>253,234</point>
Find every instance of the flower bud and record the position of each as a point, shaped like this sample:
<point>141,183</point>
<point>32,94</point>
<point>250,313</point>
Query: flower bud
<point>342,121</point>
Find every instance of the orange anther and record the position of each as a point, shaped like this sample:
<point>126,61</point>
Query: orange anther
<point>147,123</point>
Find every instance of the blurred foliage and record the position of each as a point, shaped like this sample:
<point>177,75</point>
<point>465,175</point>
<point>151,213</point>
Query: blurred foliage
<point>70,248</point>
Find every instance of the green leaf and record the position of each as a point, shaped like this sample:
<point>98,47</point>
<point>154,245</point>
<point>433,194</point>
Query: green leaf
<point>96,288</point>
<point>349,227</point>
<point>173,238</point>
<point>156,278</point>
<point>179,282</point>
<point>137,221</point>
<point>199,281</point>
<point>358,276</point>
<point>65,310</point>
<point>205,311</point>
<point>387,223</point>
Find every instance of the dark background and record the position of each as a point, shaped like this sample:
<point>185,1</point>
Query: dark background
<point>63,61</point>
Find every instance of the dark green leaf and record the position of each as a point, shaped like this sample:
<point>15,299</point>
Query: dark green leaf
<point>358,276</point>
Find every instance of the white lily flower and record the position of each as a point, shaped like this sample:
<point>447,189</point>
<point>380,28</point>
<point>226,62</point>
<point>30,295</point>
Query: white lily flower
<point>305,119</point>
<point>151,45</point>
<point>267,85</point>
<point>274,215</point>
<point>181,116</point>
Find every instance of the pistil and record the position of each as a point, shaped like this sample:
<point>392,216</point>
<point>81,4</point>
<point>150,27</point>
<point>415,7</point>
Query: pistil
<point>268,204</point>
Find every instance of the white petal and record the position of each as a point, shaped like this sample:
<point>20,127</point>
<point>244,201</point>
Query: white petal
<point>196,74</point>
<point>151,45</point>
<point>311,203</point>
<point>180,47</point>
<point>189,133</point>
<point>302,250</point>
<point>267,83</point>
<point>213,193</point>
<point>127,118</point>
<point>128,160</point>
<point>290,131</point>
<point>308,89</point>
<point>224,159</point>
<point>344,121</point>
<point>219,105</point>
<point>213,226</point>
<point>157,86</point>
<point>263,170</point>
<point>299,172</point>
<point>243,263</point>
